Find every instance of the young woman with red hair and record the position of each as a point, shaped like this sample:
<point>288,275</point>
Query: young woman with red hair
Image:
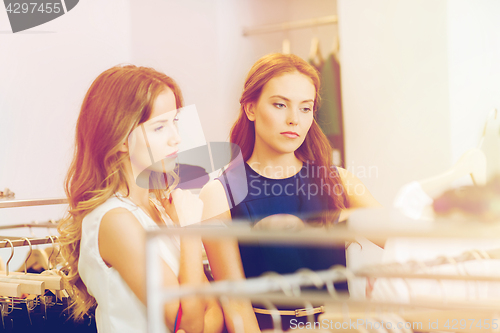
<point>126,144</point>
<point>289,170</point>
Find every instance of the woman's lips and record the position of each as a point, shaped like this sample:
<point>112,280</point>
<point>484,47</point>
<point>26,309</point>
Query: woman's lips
<point>173,155</point>
<point>291,135</point>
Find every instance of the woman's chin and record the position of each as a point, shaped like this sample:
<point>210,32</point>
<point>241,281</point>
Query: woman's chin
<point>165,165</point>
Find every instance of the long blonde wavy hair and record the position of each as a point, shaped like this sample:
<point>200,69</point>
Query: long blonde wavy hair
<point>119,99</point>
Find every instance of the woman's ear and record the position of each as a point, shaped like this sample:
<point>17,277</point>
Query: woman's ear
<point>129,141</point>
<point>250,111</point>
<point>124,146</point>
<point>126,143</point>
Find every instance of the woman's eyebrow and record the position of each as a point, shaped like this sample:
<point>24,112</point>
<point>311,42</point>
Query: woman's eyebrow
<point>286,99</point>
<point>162,121</point>
<point>282,97</point>
<point>159,121</point>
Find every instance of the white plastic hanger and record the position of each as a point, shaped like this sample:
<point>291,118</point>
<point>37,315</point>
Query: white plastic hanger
<point>285,46</point>
<point>472,162</point>
<point>490,144</point>
<point>315,53</point>
<point>336,46</point>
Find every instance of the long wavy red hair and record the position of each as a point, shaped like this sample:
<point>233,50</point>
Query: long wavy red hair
<point>316,148</point>
<point>118,100</point>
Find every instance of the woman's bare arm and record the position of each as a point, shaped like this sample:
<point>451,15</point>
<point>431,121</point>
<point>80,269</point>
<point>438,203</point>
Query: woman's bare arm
<point>118,230</point>
<point>358,196</point>
<point>224,257</point>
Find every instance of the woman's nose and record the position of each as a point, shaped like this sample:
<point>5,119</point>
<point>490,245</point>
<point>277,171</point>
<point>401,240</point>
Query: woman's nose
<point>292,117</point>
<point>174,139</point>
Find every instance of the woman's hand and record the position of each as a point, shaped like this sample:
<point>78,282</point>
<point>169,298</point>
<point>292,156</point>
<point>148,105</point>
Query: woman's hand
<point>280,222</point>
<point>184,207</point>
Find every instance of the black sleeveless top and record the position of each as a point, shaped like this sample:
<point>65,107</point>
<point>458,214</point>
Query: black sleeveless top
<point>300,195</point>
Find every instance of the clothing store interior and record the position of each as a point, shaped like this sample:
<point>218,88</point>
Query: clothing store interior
<point>407,106</point>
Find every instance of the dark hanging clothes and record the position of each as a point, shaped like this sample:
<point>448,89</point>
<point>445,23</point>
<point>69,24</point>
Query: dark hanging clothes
<point>329,115</point>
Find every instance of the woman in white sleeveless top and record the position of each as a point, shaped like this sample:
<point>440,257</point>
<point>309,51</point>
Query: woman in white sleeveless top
<point>126,145</point>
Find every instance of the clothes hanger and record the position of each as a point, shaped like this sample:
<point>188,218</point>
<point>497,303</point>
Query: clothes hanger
<point>7,288</point>
<point>21,287</point>
<point>4,311</point>
<point>490,144</point>
<point>37,262</point>
<point>51,282</point>
<point>479,255</point>
<point>480,163</point>
<point>349,277</point>
<point>275,316</point>
<point>317,282</point>
<point>315,56</point>
<point>313,276</point>
<point>29,254</point>
<point>419,313</point>
<point>309,308</point>
<point>471,254</point>
<point>471,282</point>
<point>287,288</point>
<point>285,46</point>
<point>472,162</point>
<point>51,258</point>
<point>315,53</point>
<point>336,46</point>
<point>59,291</point>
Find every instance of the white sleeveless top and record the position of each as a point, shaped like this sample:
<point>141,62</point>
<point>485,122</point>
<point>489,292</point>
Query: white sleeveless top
<point>118,309</point>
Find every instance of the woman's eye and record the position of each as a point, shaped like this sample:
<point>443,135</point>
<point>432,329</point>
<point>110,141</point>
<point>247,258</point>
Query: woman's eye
<point>306,110</point>
<point>176,119</point>
<point>157,129</point>
<point>279,105</point>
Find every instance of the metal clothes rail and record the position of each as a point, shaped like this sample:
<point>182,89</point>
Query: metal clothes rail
<point>21,241</point>
<point>32,202</point>
<point>332,19</point>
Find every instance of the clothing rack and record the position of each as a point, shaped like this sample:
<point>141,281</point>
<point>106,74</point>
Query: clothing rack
<point>50,224</point>
<point>339,235</point>
<point>266,289</point>
<point>32,202</point>
<point>404,270</point>
<point>46,306</point>
<point>332,19</point>
<point>18,241</point>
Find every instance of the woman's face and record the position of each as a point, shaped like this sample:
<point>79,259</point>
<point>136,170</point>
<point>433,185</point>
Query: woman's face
<point>154,144</point>
<point>283,114</point>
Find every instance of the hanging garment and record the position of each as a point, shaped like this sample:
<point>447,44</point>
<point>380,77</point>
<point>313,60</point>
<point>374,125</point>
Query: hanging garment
<point>413,202</point>
<point>329,115</point>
